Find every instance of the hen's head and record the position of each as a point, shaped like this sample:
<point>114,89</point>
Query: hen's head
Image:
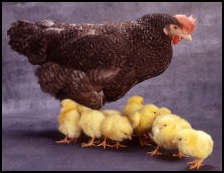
<point>183,30</point>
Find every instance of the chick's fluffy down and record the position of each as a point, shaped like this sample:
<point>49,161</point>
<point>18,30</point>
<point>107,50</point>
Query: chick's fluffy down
<point>69,124</point>
<point>195,143</point>
<point>142,119</point>
<point>90,123</point>
<point>108,112</point>
<point>116,127</point>
<point>164,110</point>
<point>165,128</point>
<point>133,104</point>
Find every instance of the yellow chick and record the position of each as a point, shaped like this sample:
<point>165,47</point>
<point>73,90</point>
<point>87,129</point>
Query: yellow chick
<point>117,128</point>
<point>164,110</point>
<point>80,108</point>
<point>108,112</point>
<point>164,130</point>
<point>142,120</point>
<point>195,143</point>
<point>90,122</point>
<point>67,105</point>
<point>69,122</point>
<point>133,104</point>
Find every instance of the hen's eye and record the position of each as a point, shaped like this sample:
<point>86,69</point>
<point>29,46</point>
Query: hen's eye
<point>175,27</point>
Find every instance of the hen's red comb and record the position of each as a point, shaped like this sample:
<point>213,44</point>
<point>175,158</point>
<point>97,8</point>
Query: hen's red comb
<point>188,23</point>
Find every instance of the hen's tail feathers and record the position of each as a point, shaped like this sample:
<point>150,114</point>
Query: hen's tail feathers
<point>27,38</point>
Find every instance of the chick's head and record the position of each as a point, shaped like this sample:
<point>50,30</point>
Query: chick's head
<point>148,114</point>
<point>163,111</point>
<point>68,104</point>
<point>185,137</point>
<point>136,99</point>
<point>166,125</point>
<point>125,130</point>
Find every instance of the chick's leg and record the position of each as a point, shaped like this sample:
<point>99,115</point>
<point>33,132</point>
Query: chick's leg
<point>75,140</point>
<point>155,152</point>
<point>104,144</point>
<point>180,154</point>
<point>118,145</point>
<point>90,143</point>
<point>144,140</point>
<point>196,164</point>
<point>64,141</point>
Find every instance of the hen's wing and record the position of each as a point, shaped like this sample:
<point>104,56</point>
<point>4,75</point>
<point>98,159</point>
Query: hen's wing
<point>90,52</point>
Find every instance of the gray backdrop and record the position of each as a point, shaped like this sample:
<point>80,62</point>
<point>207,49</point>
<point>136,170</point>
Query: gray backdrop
<point>190,87</point>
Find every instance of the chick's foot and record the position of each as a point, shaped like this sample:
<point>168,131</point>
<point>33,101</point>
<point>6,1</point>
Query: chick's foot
<point>155,152</point>
<point>104,144</point>
<point>144,141</point>
<point>64,141</point>
<point>180,155</point>
<point>196,164</point>
<point>89,144</point>
<point>118,145</point>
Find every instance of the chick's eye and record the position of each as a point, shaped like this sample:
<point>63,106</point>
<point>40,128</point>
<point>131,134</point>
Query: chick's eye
<point>179,139</point>
<point>165,125</point>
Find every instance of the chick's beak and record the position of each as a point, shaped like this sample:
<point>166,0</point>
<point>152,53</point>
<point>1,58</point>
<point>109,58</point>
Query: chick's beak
<point>174,141</point>
<point>129,137</point>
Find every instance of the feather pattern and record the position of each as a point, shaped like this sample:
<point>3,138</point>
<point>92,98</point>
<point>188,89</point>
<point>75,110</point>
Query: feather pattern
<point>94,63</point>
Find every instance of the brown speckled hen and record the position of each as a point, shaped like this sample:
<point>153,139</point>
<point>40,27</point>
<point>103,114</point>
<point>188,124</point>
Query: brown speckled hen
<point>97,63</point>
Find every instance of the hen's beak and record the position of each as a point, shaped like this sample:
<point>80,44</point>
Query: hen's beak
<point>186,36</point>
